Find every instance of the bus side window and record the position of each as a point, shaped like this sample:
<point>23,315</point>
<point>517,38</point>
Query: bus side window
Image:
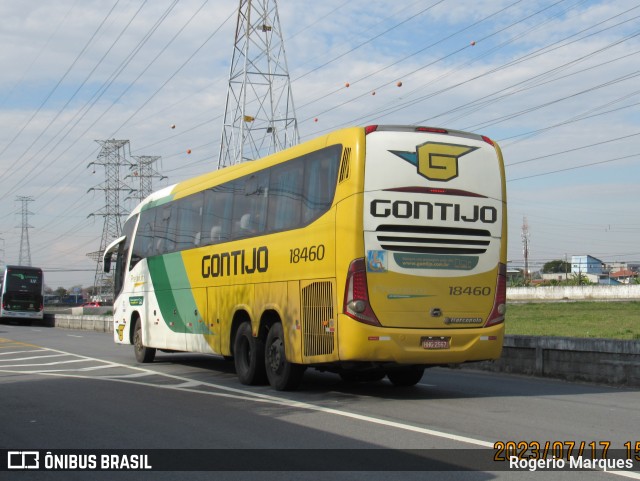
<point>127,231</point>
<point>216,215</point>
<point>250,204</point>
<point>143,243</point>
<point>189,224</point>
<point>285,196</point>
<point>159,231</point>
<point>239,228</point>
<point>321,175</point>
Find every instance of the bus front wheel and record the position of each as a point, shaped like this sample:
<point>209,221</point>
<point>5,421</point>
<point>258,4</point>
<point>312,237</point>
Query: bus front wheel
<point>143,354</point>
<point>282,374</point>
<point>248,356</point>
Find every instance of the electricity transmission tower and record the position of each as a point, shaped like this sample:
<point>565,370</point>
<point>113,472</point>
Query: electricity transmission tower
<point>143,171</point>
<point>259,115</point>
<point>112,156</point>
<point>25,249</point>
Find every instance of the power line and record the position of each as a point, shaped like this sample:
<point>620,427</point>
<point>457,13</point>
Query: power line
<point>42,104</point>
<point>576,167</point>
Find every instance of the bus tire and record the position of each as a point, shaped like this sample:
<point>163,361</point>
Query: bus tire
<point>143,354</point>
<point>406,376</point>
<point>282,374</point>
<point>248,356</point>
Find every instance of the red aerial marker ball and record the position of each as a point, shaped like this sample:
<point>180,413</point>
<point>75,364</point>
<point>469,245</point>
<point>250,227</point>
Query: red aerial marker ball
<point>315,120</point>
<point>347,85</point>
<point>188,151</point>
<point>473,43</point>
<point>173,126</point>
<point>399,84</point>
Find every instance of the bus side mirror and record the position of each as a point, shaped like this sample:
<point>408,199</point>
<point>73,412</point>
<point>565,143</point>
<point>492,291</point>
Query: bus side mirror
<point>107,264</point>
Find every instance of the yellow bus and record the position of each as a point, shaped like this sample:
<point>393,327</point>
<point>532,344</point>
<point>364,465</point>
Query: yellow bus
<point>369,252</point>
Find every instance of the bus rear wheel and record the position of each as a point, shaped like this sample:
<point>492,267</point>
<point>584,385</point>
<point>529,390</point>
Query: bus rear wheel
<point>248,356</point>
<point>282,374</point>
<point>143,354</point>
<point>406,376</point>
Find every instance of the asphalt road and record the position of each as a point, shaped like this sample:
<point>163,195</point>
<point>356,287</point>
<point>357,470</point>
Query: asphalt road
<point>77,390</point>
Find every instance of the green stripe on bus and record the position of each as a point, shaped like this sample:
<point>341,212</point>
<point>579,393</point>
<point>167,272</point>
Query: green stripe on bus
<point>172,289</point>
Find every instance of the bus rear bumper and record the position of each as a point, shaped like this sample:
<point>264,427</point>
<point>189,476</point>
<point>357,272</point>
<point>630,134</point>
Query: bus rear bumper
<point>22,315</point>
<point>417,346</point>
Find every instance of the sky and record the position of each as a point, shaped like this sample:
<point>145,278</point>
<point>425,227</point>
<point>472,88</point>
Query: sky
<point>554,82</point>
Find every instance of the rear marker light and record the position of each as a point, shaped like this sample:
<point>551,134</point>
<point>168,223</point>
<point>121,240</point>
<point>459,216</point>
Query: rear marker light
<point>432,130</point>
<point>356,295</point>
<point>500,302</point>
<point>488,140</point>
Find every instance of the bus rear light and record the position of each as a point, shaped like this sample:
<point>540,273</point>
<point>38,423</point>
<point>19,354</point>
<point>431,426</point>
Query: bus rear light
<point>356,295</point>
<point>500,301</point>
<point>488,140</point>
<point>370,128</point>
<point>433,130</point>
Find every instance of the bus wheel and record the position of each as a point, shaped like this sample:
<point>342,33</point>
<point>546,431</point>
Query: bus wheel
<point>143,354</point>
<point>248,356</point>
<point>406,376</point>
<point>283,375</point>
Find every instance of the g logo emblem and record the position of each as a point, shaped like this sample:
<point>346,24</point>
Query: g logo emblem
<point>435,160</point>
<point>438,161</point>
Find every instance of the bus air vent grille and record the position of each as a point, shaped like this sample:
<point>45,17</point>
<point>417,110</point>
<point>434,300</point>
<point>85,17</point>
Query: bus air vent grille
<point>318,321</point>
<point>433,239</point>
<point>345,165</point>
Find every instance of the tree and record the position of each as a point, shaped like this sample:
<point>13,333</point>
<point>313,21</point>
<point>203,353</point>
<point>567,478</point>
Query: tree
<point>61,291</point>
<point>578,280</point>
<point>557,266</point>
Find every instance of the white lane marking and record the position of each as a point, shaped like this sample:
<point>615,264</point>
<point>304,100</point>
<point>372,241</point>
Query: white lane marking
<point>31,357</point>
<point>47,363</point>
<point>626,474</point>
<point>21,352</point>
<point>127,376</point>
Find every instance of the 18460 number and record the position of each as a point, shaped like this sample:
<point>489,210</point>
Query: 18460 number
<point>306,254</point>
<point>469,291</point>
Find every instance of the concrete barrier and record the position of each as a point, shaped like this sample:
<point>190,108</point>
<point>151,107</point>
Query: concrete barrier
<point>80,322</point>
<point>558,293</point>
<point>91,311</point>
<point>607,361</point>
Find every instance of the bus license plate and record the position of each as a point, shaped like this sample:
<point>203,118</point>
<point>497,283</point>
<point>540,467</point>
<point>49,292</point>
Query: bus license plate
<point>435,342</point>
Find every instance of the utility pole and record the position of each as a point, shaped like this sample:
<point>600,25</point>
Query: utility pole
<point>25,249</point>
<point>259,114</point>
<point>112,156</point>
<point>525,248</point>
<point>3,262</point>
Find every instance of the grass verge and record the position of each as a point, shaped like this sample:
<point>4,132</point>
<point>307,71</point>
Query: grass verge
<point>612,320</point>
